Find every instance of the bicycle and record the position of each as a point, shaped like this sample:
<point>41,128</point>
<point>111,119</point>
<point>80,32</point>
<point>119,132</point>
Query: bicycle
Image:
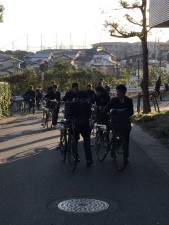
<point>116,145</point>
<point>67,143</point>
<point>24,109</point>
<point>48,114</point>
<point>15,106</point>
<point>101,143</point>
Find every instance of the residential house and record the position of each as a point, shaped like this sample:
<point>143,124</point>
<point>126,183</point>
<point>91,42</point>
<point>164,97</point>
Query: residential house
<point>33,60</point>
<point>10,65</point>
<point>104,60</point>
<point>84,61</point>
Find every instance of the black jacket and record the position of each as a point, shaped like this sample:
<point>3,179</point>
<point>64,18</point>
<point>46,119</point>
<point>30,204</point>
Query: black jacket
<point>115,103</point>
<point>80,112</point>
<point>30,94</point>
<point>51,96</point>
<point>69,96</point>
<point>101,100</point>
<point>90,93</point>
<point>54,95</point>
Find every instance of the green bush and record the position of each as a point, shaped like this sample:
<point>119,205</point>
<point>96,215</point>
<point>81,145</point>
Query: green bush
<point>5,96</point>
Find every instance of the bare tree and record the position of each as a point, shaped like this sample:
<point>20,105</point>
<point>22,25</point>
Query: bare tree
<point>119,32</point>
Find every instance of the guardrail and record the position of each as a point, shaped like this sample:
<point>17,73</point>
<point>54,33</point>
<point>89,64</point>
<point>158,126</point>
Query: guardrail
<point>137,90</point>
<point>112,91</point>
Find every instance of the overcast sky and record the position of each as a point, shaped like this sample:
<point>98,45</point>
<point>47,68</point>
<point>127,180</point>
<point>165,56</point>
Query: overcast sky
<point>60,22</point>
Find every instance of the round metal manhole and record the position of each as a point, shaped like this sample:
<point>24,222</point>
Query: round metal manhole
<point>83,205</point>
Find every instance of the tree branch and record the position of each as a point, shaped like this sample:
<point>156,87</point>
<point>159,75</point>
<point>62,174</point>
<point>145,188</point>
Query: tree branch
<point>116,31</point>
<point>131,20</point>
<point>135,5</point>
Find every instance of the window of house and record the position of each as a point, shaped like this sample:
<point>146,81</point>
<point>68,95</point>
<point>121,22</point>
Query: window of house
<point>1,65</point>
<point>98,60</point>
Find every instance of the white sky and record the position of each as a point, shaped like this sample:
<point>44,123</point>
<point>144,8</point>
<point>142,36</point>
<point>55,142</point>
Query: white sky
<point>65,22</point>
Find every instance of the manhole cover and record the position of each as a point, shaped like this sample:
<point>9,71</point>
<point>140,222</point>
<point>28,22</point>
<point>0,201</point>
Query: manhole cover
<point>83,205</point>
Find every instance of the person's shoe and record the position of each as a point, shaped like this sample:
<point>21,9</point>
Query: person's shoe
<point>89,162</point>
<point>55,126</point>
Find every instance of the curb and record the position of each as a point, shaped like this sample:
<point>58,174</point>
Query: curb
<point>152,147</point>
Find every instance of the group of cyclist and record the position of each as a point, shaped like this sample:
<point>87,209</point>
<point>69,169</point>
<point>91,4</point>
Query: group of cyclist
<point>79,107</point>
<point>32,96</point>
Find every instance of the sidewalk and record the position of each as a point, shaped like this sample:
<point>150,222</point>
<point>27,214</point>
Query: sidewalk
<point>153,148</point>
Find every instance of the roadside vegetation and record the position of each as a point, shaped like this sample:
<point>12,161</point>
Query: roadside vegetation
<point>5,96</point>
<point>155,123</point>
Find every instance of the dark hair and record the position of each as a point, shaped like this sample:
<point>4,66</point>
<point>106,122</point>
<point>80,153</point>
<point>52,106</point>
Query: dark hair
<point>122,88</point>
<point>99,89</point>
<point>82,95</point>
<point>74,85</point>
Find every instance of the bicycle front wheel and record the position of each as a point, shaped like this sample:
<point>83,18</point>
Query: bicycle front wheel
<point>72,153</point>
<point>49,120</point>
<point>44,118</point>
<point>119,153</point>
<point>101,145</point>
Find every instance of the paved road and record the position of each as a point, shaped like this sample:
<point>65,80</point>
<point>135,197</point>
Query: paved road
<point>33,180</point>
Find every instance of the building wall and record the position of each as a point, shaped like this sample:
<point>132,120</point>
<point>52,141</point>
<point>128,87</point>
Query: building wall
<point>123,50</point>
<point>159,13</point>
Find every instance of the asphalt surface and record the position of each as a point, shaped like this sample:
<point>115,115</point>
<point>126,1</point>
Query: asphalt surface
<point>33,180</point>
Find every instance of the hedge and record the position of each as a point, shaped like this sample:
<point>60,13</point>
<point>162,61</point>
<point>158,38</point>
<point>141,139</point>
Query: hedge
<point>5,97</point>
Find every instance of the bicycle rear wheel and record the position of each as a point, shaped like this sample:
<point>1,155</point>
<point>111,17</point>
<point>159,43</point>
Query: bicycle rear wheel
<point>63,146</point>
<point>49,120</point>
<point>119,153</point>
<point>101,145</point>
<point>72,153</point>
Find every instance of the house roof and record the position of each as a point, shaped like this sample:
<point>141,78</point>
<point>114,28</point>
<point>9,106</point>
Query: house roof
<point>84,58</point>
<point>65,57</point>
<point>11,69</point>
<point>103,52</point>
<point>10,58</point>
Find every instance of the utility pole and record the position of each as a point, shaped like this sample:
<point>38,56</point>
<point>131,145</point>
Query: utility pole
<point>13,46</point>
<point>85,42</point>
<point>41,42</point>
<point>70,41</point>
<point>27,43</point>
<point>56,42</point>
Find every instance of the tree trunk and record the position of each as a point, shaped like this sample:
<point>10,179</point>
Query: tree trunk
<point>146,100</point>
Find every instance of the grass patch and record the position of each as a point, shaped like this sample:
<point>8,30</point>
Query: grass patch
<point>156,124</point>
